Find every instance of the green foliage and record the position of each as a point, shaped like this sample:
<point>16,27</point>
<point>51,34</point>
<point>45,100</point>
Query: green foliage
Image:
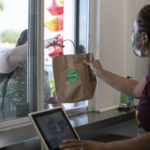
<point>52,85</point>
<point>9,36</point>
<point>1,5</point>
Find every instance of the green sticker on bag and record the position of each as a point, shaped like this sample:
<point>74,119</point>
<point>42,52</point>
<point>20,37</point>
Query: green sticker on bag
<point>72,75</point>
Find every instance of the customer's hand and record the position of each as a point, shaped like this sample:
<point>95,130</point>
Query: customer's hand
<point>82,145</point>
<point>95,66</point>
<point>53,100</point>
<point>53,42</point>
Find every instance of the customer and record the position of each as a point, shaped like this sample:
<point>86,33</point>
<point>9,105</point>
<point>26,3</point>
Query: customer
<point>13,75</point>
<point>133,88</point>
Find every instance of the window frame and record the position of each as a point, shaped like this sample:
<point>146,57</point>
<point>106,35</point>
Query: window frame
<point>35,65</point>
<point>17,123</point>
<point>78,24</point>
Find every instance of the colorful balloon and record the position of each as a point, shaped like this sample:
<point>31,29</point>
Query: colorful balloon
<point>56,9</point>
<point>55,51</point>
<point>55,24</point>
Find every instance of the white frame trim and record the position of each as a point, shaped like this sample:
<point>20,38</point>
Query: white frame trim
<point>78,110</point>
<point>18,123</point>
<point>94,45</point>
<point>40,54</point>
<point>13,124</point>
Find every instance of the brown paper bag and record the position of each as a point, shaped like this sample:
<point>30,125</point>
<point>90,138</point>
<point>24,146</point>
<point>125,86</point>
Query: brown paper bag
<point>74,80</point>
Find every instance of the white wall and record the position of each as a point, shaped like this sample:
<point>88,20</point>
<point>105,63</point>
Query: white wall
<point>114,22</point>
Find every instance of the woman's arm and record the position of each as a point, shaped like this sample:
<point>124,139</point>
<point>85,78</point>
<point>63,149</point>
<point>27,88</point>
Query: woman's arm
<point>10,60</point>
<point>138,143</point>
<point>130,87</point>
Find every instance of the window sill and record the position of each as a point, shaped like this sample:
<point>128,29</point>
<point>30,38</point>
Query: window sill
<point>82,122</point>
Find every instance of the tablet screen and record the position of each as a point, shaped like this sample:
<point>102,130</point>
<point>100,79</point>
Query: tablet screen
<point>54,127</point>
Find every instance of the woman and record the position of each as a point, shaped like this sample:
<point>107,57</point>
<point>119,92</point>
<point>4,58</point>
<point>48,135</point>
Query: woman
<point>13,76</point>
<point>133,88</point>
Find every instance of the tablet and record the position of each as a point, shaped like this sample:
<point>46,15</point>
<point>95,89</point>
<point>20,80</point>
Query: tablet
<point>53,126</point>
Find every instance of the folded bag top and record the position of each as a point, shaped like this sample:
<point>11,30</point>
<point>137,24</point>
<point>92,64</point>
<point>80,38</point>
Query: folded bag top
<point>74,81</point>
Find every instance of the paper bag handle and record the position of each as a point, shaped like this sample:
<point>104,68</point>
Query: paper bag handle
<point>75,48</point>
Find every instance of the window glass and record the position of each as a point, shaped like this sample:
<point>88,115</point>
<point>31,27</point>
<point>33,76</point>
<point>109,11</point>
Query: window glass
<point>14,16</point>
<point>14,19</point>
<point>65,21</point>
<point>82,26</point>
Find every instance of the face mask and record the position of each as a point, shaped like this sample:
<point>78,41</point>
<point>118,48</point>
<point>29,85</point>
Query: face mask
<point>136,51</point>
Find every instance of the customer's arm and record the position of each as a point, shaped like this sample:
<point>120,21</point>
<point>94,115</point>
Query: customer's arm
<point>130,87</point>
<point>10,60</point>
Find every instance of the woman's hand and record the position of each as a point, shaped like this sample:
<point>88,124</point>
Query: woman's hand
<point>53,42</point>
<point>95,66</point>
<point>82,145</point>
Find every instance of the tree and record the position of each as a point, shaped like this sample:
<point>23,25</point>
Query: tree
<point>1,5</point>
<point>9,36</point>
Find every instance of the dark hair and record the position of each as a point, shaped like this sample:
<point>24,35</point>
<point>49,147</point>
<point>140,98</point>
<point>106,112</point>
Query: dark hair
<point>143,19</point>
<point>23,38</point>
